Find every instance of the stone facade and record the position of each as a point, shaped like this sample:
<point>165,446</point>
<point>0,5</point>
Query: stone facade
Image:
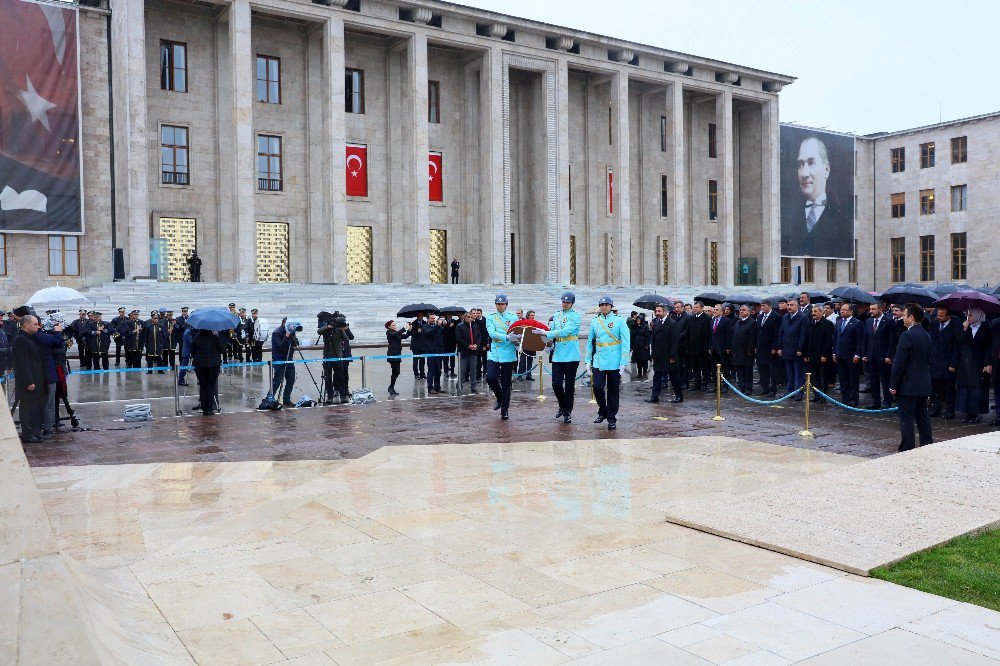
<point>533,118</point>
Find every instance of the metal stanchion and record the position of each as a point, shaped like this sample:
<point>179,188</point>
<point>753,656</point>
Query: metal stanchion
<point>364,374</point>
<point>718,394</point>
<point>270,376</point>
<point>177,398</point>
<point>541,377</point>
<point>807,434</point>
<point>593,398</point>
<point>458,368</point>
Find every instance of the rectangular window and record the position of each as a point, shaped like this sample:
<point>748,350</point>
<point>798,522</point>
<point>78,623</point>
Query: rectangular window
<point>269,163</point>
<point>173,66</point>
<point>609,125</point>
<point>897,250</point>
<point>898,158</point>
<point>354,91</point>
<point>174,169</point>
<point>663,134</point>
<point>926,155</point>
<point>713,200</point>
<point>434,101</point>
<point>926,202</point>
<point>809,270</point>
<point>64,255</point>
<point>959,149</point>
<point>959,197</point>
<point>831,270</point>
<point>711,139</point>
<point>663,195</point>
<point>786,270</point>
<point>268,79</point>
<point>3,254</point>
<point>898,205</point>
<point>852,266</point>
<point>958,256</point>
<point>570,188</point>
<point>611,192</point>
<point>927,258</point>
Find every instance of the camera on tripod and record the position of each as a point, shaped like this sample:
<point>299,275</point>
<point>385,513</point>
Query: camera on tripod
<point>293,326</point>
<point>335,319</point>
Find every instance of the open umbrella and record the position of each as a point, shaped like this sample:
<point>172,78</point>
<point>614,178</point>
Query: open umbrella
<point>710,298</point>
<point>451,310</point>
<point>213,319</point>
<point>946,288</point>
<point>968,299</point>
<point>852,294</point>
<point>650,301</point>
<point>53,296</point>
<point>743,299</point>
<point>413,309</point>
<point>910,293</point>
<point>818,296</point>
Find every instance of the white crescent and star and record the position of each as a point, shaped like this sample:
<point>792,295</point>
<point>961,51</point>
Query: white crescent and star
<point>355,172</point>
<point>57,26</point>
<point>430,176</point>
<point>37,105</point>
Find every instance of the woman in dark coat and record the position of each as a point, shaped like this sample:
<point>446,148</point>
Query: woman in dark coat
<point>641,337</point>
<point>975,343</point>
<point>395,338</point>
<point>207,348</point>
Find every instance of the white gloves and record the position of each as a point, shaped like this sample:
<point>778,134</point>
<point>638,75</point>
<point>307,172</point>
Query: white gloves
<point>621,370</point>
<point>513,337</point>
<point>587,365</point>
<point>541,331</point>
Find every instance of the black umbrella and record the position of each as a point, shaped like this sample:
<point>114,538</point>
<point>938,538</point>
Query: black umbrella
<point>452,310</point>
<point>710,298</point>
<point>650,301</point>
<point>966,300</point>
<point>853,295</point>
<point>413,309</point>
<point>902,294</point>
<point>996,291</point>
<point>946,288</point>
<point>818,296</point>
<point>744,299</point>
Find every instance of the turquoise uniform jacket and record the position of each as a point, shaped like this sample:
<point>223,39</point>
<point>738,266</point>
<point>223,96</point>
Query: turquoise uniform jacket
<point>608,343</point>
<point>501,349</point>
<point>566,334</point>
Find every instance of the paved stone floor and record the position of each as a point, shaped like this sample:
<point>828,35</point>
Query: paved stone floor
<point>515,553</point>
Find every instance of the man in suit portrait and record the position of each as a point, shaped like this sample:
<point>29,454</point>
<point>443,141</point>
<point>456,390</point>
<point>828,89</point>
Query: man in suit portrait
<point>911,379</point>
<point>815,224</point>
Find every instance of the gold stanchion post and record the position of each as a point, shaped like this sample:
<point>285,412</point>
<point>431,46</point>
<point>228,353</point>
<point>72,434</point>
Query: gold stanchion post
<point>718,394</point>
<point>541,376</point>
<point>807,434</point>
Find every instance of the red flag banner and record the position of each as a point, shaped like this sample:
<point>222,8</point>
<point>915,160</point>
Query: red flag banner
<point>435,177</point>
<point>611,192</point>
<point>357,170</point>
<point>40,189</point>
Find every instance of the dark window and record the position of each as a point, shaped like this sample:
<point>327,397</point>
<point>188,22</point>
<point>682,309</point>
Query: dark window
<point>926,155</point>
<point>926,202</point>
<point>664,198</point>
<point>898,205</point>
<point>173,66</point>
<point>809,270</point>
<point>64,255</point>
<point>268,79</point>
<point>174,168</point>
<point>927,258</point>
<point>711,139</point>
<point>898,157</point>
<point>897,250</point>
<point>354,91</point>
<point>958,256</point>
<point>433,101</point>
<point>713,200</point>
<point>570,188</point>
<point>269,163</point>
<point>663,134</point>
<point>959,149</point>
<point>609,126</point>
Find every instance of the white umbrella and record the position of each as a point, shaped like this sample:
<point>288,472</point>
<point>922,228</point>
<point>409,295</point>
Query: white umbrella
<point>57,295</point>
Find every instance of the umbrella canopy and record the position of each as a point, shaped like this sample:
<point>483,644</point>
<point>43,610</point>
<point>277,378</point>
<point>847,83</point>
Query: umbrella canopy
<point>213,319</point>
<point>650,301</point>
<point>451,310</point>
<point>413,309</point>
<point>853,294</point>
<point>910,293</point>
<point>58,296</point>
<point>818,296</point>
<point>744,299</point>
<point>996,290</point>
<point>710,298</point>
<point>968,299</point>
<point>946,288</point>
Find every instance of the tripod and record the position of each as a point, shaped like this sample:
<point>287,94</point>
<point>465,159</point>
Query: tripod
<point>319,391</point>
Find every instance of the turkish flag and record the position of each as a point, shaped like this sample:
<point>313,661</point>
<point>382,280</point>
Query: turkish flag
<point>357,170</point>
<point>611,192</point>
<point>435,177</point>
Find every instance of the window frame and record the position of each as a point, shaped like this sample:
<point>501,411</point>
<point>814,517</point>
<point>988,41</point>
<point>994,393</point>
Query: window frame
<point>175,148</point>
<point>350,94</point>
<point>168,70</point>
<point>809,270</point>
<point>897,159</point>
<point>963,191</point>
<point>927,271</point>
<point>928,202</point>
<point>897,210</point>
<point>960,256</point>
<point>897,259</point>
<point>280,155</point>
<point>663,134</point>
<point>63,253</point>
<point>434,102</point>
<point>267,79</point>
<point>3,254</point>
<point>712,141</point>
<point>927,155</point>
<point>786,270</point>
<point>713,200</point>
<point>831,270</point>
<point>959,149</point>
<point>664,195</point>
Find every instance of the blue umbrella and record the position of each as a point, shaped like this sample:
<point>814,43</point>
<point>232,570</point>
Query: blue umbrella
<point>213,319</point>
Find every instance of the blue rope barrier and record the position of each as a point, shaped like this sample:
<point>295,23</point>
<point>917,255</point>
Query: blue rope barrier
<point>763,402</point>
<point>119,370</point>
<point>578,377</point>
<point>854,409</point>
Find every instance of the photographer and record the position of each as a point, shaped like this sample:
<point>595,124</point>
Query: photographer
<point>283,343</point>
<point>395,348</point>
<point>334,331</point>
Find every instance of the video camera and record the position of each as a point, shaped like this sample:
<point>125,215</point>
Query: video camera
<point>335,319</point>
<point>293,326</point>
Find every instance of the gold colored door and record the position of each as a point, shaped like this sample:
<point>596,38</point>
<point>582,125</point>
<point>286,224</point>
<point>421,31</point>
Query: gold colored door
<point>272,252</point>
<point>439,256</point>
<point>359,255</point>
<point>181,236</point>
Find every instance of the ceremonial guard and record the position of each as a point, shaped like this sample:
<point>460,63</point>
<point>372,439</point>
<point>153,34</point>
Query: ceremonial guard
<point>565,337</point>
<point>154,342</point>
<point>173,333</point>
<point>242,339</point>
<point>502,356</point>
<point>118,325</point>
<point>256,335</point>
<point>80,330</point>
<point>99,343</point>
<point>606,347</point>
<point>182,320</point>
<point>131,334</point>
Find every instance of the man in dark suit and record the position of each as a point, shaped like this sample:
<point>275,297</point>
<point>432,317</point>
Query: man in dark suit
<point>768,323</point>
<point>791,346</point>
<point>911,379</point>
<point>30,383</point>
<point>819,349</point>
<point>744,349</point>
<point>848,339</point>
<point>721,343</point>
<point>944,362</point>
<point>880,333</point>
<point>666,355</point>
<point>700,348</point>
<point>681,319</point>
<point>816,226</point>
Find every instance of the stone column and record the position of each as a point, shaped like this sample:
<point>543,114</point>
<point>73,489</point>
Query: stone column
<point>726,220</point>
<point>131,142</point>
<point>562,164</point>
<point>680,238</point>
<point>491,169</point>
<point>621,159</point>
<point>244,186</point>
<point>770,272</point>
<point>420,234</point>
<point>334,149</point>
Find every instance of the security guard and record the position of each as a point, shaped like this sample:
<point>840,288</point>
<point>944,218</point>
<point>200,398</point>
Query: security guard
<point>502,356</point>
<point>565,334</point>
<point>607,344</point>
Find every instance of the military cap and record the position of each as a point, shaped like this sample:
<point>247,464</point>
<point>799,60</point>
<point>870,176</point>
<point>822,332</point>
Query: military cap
<point>569,297</point>
<point>606,300</point>
<point>500,299</point>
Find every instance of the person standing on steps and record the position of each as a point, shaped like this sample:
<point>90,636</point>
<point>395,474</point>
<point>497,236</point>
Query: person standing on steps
<point>454,270</point>
<point>607,347</point>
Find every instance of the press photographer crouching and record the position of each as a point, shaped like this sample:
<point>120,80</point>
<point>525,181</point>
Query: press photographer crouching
<point>336,334</point>
<point>283,343</point>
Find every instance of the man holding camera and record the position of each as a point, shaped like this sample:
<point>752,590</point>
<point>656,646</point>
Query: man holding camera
<point>334,331</point>
<point>283,343</point>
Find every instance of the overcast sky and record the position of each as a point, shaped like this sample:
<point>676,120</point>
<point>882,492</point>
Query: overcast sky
<point>862,66</point>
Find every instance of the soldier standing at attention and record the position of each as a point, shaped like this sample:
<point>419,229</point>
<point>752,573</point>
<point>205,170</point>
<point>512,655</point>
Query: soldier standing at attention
<point>606,362</point>
<point>502,355</point>
<point>565,334</point>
